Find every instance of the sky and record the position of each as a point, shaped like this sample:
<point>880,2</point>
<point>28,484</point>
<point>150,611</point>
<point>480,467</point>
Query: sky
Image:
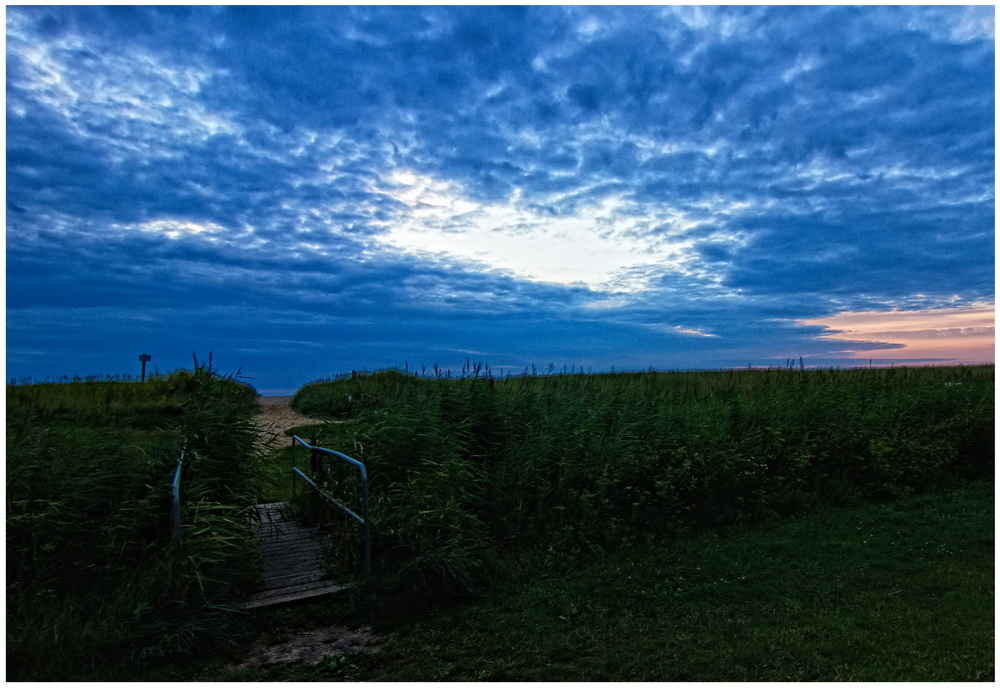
<point>306,191</point>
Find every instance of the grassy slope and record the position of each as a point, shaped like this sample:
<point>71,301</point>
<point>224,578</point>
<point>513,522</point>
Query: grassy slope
<point>894,592</point>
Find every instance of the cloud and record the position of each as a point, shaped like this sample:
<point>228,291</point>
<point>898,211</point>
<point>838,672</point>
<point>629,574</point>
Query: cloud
<point>633,177</point>
<point>950,334</point>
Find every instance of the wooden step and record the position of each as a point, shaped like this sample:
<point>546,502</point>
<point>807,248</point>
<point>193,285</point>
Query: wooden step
<point>292,556</point>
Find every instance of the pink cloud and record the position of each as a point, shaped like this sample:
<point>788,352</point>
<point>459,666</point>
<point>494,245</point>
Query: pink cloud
<point>955,335</point>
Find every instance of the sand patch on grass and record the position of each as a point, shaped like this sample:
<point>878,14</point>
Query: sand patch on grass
<point>311,647</point>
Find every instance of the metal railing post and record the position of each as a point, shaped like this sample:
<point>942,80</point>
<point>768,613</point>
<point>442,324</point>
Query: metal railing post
<point>366,533</point>
<point>294,466</point>
<point>175,505</point>
<point>363,518</point>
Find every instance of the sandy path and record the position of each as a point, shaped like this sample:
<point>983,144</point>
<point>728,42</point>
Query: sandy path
<point>276,416</point>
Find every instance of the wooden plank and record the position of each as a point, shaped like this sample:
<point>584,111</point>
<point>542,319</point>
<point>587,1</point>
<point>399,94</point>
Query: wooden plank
<point>289,597</point>
<point>293,589</point>
<point>278,548</point>
<point>279,576</point>
<point>294,547</point>
<point>290,594</point>
<point>300,562</point>
<point>293,579</point>
<point>292,536</point>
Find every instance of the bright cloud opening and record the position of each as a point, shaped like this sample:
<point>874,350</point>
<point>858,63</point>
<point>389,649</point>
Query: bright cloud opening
<point>954,335</point>
<point>606,245</point>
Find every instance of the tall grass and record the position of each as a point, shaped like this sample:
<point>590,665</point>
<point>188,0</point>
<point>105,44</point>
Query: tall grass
<point>95,588</point>
<point>470,475</point>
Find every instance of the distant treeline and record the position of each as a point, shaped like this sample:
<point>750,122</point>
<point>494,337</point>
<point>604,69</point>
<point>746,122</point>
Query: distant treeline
<point>68,379</point>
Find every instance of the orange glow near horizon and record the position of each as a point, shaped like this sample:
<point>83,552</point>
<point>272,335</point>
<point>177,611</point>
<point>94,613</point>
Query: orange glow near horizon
<point>952,335</point>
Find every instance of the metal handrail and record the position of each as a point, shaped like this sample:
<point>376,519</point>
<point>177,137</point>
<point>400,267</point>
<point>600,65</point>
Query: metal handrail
<point>363,518</point>
<point>175,502</point>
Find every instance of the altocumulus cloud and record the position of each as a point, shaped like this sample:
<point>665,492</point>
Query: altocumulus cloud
<point>307,190</point>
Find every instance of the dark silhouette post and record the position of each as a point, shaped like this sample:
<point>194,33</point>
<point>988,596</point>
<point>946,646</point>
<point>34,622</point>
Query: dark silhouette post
<point>144,358</point>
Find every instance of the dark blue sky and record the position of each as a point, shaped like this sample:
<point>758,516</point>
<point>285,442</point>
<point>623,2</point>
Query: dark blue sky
<point>309,190</point>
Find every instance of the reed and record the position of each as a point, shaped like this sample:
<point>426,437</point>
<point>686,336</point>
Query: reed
<point>469,473</point>
<point>95,587</point>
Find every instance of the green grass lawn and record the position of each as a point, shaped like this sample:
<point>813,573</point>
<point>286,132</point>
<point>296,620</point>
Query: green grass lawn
<point>901,591</point>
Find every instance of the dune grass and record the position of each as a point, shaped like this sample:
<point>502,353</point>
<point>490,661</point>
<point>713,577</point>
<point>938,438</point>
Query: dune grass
<point>470,476</point>
<point>96,589</point>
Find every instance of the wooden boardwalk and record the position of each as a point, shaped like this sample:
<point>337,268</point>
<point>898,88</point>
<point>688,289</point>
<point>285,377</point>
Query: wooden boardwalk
<point>292,559</point>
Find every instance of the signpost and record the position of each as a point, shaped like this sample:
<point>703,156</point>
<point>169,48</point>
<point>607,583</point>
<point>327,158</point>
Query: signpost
<point>144,358</point>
